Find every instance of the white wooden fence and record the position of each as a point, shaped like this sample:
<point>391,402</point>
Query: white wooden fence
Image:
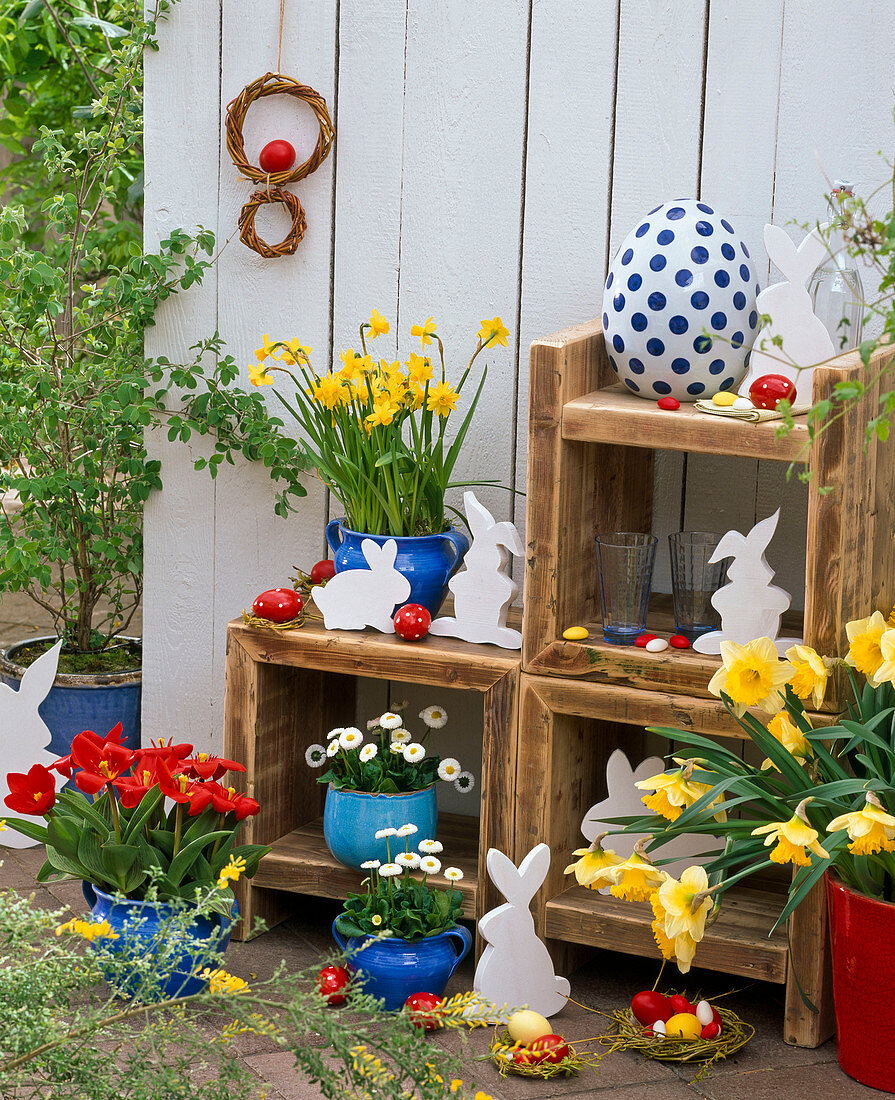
<point>489,158</point>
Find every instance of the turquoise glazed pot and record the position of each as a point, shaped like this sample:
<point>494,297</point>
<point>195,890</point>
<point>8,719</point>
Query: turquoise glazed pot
<point>395,968</point>
<point>144,933</point>
<point>427,561</point>
<point>351,820</point>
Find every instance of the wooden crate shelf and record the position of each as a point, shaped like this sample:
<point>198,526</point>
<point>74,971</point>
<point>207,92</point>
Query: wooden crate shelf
<point>301,863</point>
<point>739,942</point>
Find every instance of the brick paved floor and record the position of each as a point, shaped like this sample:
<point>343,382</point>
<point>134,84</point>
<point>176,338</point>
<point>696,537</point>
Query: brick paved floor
<point>766,1069</point>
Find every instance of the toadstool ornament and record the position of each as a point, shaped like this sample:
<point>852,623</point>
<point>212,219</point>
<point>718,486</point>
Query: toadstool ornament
<point>277,156</point>
<point>412,622</point>
<point>278,605</point>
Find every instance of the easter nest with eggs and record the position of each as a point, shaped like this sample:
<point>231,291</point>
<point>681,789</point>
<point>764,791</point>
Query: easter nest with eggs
<point>630,1034</point>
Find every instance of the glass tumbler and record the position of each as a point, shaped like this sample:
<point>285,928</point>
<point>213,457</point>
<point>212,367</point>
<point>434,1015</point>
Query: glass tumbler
<point>694,581</point>
<point>625,564</point>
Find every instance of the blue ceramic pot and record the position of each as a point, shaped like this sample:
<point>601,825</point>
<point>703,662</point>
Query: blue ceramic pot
<point>143,932</point>
<point>395,968</point>
<point>427,561</point>
<point>351,820</point>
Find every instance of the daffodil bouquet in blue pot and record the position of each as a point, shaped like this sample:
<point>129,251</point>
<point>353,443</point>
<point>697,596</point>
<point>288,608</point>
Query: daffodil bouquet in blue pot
<point>376,431</point>
<point>822,801</point>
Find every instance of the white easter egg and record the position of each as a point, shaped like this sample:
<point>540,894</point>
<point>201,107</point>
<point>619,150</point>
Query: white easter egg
<point>742,403</point>
<point>704,1012</point>
<point>656,645</point>
<point>683,268</point>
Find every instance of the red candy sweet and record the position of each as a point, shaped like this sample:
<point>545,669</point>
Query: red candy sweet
<point>670,403</point>
<point>678,641</point>
<point>278,605</point>
<point>711,1031</point>
<point>766,391</point>
<point>276,156</point>
<point>332,981</point>
<point>549,1048</point>
<point>412,622</point>
<point>420,1005</point>
<point>641,640</point>
<point>679,1003</point>
<point>322,571</point>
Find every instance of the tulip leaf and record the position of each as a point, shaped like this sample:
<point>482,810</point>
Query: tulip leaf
<point>29,829</point>
<point>63,835</point>
<point>66,866</point>
<point>146,808</point>
<point>187,856</point>
<point>80,807</point>
<point>251,853</point>
<point>90,855</point>
<point>118,859</point>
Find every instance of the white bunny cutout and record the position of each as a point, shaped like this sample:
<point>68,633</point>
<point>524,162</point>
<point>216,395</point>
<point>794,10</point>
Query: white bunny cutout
<point>24,735</point>
<point>357,598</point>
<point>515,968</point>
<point>788,304</point>
<point>483,590</point>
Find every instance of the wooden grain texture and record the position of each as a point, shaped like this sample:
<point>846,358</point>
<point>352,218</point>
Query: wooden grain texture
<point>810,969</point>
<point>498,779</point>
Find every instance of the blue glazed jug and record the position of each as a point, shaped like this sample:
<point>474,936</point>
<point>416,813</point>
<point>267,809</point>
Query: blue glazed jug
<point>351,820</point>
<point>395,968</point>
<point>427,561</point>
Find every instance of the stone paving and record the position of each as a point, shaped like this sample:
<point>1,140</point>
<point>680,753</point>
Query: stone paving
<point>767,1068</point>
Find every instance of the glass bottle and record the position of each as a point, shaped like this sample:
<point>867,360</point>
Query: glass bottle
<point>837,294</point>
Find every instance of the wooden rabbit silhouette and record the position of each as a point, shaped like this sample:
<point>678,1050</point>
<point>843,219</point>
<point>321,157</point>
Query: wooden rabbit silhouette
<point>750,606</point>
<point>24,735</point>
<point>483,589</point>
<point>515,968</point>
<point>788,304</point>
<point>357,598</point>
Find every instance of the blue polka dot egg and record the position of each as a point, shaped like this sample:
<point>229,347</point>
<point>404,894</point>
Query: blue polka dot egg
<point>679,304</point>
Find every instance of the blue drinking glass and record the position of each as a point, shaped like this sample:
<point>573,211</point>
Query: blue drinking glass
<point>625,565</point>
<point>694,580</point>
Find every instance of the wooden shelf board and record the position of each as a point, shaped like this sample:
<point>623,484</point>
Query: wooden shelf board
<point>737,943</point>
<point>301,862</point>
<point>613,415</point>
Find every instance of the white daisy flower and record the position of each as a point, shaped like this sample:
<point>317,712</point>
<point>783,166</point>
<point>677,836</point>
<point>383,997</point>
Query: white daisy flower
<point>333,747</point>
<point>464,782</point>
<point>430,865</point>
<point>390,720</point>
<point>408,859</point>
<point>449,769</point>
<point>453,874</point>
<point>434,717</point>
<point>400,737</point>
<point>372,723</point>
<point>367,753</point>
<point>315,755</point>
<point>430,847</point>
<point>389,869</point>
<point>350,738</point>
<point>370,865</point>
<point>413,752</point>
<point>381,834</point>
<point>397,747</point>
<point>407,830</point>
<point>337,732</point>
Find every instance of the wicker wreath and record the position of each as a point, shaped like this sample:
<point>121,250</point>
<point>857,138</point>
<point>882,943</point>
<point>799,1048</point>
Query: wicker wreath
<point>250,238</point>
<point>277,84</point>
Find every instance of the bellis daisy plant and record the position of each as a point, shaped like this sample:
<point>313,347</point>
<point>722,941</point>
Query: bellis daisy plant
<point>822,800</point>
<point>386,759</point>
<point>376,428</point>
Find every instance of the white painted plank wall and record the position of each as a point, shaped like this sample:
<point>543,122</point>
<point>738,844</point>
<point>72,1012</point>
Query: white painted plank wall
<point>488,159</point>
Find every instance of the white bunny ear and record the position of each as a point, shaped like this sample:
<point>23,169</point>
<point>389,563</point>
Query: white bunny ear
<point>387,555</point>
<point>373,552</point>
<point>780,249</point>
<point>796,263</point>
<point>503,873</point>
<point>533,869</point>
<point>480,519</point>
<point>38,677</point>
<point>519,885</point>
<point>761,534</point>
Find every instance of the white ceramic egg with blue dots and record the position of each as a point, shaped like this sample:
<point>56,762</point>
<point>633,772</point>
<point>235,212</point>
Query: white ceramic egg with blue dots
<point>679,304</point>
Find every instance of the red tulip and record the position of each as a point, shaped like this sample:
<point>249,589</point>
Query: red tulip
<point>32,794</point>
<point>174,785</point>
<point>200,797</point>
<point>167,751</point>
<point>205,766</point>
<point>132,788</point>
<point>226,799</point>
<point>101,761</point>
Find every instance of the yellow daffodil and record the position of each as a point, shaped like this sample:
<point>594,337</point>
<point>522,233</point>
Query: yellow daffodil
<point>352,365</point>
<point>795,838</point>
<point>294,352</point>
<point>90,930</point>
<point>389,369</point>
<point>592,868</point>
<point>419,368</point>
<point>809,680</point>
<point>636,878</point>
<point>674,791</point>
<point>424,331</point>
<point>267,348</point>
<point>870,829</point>
<point>329,391</point>
<point>784,730</point>
<point>442,399</point>
<point>751,675</point>
<point>665,945</point>
<point>378,325</point>
<point>886,671</point>
<point>416,396</point>
<point>259,376</point>
<point>681,909</point>
<point>493,332</point>
<point>864,651</point>
<point>3,826</point>
<point>231,872</point>
<point>219,981</point>
<point>383,412</point>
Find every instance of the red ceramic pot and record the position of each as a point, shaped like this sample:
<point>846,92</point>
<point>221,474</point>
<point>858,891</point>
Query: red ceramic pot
<point>862,930</point>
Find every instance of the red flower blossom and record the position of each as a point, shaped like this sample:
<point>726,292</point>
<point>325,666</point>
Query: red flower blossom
<point>101,761</point>
<point>205,766</point>
<point>167,751</point>
<point>62,765</point>
<point>32,794</point>
<point>225,799</point>
<point>175,785</point>
<point>65,764</point>
<point>200,796</point>
<point>131,788</point>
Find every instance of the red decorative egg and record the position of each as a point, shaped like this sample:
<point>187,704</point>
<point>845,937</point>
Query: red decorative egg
<point>549,1048</point>
<point>711,1031</point>
<point>322,571</point>
<point>332,981</point>
<point>650,1006</point>
<point>277,156</point>
<point>679,1003</point>
<point>412,622</point>
<point>641,640</point>
<point>420,1006</point>
<point>766,391</point>
<point>678,641</point>
<point>668,403</point>
<point>278,605</point>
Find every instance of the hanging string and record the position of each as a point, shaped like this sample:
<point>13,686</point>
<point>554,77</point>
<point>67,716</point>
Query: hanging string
<point>280,41</point>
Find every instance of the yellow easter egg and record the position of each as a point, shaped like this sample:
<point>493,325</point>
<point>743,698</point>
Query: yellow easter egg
<point>724,397</point>
<point>683,1026</point>
<point>575,633</point>
<point>526,1026</point>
